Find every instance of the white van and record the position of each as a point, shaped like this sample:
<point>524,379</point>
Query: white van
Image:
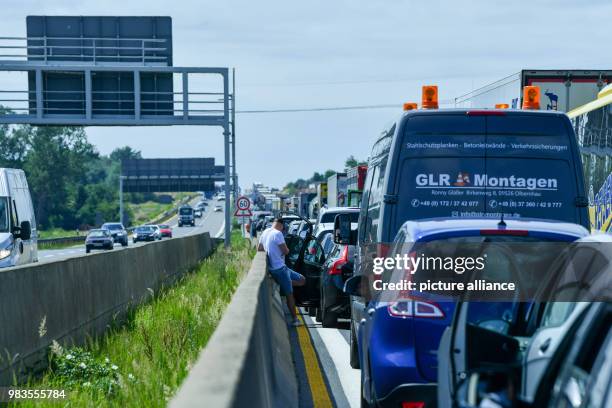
<point>18,235</point>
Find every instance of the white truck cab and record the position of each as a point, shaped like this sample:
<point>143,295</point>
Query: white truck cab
<point>18,234</point>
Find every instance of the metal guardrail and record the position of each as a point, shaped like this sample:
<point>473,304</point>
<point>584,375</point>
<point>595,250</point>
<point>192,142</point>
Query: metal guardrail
<point>96,50</point>
<point>48,242</point>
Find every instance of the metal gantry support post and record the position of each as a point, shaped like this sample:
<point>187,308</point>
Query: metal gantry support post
<point>226,138</point>
<point>234,173</point>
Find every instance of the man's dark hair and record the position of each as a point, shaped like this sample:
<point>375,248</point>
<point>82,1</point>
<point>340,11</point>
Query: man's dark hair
<point>278,219</point>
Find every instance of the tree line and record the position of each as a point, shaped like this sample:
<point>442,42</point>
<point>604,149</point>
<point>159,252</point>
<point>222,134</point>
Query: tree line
<point>71,183</point>
<point>302,184</point>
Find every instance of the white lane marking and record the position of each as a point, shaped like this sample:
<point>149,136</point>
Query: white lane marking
<point>48,256</point>
<point>339,351</point>
<point>221,231</point>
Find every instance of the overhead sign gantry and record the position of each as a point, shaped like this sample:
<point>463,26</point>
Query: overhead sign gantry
<point>112,71</point>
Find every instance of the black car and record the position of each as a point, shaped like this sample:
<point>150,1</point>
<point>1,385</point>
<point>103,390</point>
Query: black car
<point>145,233</point>
<point>338,267</point>
<point>118,232</point>
<point>98,239</point>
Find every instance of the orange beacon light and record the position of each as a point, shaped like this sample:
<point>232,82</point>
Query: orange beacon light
<point>531,97</point>
<point>430,97</point>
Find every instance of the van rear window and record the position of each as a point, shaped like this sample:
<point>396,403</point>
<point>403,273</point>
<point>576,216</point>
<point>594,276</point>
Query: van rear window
<point>519,135</point>
<point>473,166</point>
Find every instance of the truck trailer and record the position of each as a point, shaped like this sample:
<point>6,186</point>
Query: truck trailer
<point>561,90</point>
<point>336,190</point>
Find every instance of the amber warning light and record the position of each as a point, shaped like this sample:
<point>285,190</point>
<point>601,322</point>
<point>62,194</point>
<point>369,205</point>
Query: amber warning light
<point>502,106</point>
<point>531,97</point>
<point>430,97</point>
<point>410,106</point>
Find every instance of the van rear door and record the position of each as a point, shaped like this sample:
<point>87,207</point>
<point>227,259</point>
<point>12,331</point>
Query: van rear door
<point>463,164</point>
<point>438,158</point>
<point>533,167</point>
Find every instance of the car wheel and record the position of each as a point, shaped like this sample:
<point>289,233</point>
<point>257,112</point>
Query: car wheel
<point>87,250</point>
<point>354,352</point>
<point>125,243</point>
<point>328,318</point>
<point>318,315</point>
<point>312,311</point>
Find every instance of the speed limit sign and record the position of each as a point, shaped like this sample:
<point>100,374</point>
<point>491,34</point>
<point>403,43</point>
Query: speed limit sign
<point>243,207</point>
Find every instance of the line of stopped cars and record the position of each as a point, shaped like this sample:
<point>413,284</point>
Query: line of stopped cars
<point>439,181</point>
<point>112,233</point>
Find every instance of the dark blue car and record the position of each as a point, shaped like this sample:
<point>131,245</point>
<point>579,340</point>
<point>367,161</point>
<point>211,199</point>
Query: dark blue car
<point>398,340</point>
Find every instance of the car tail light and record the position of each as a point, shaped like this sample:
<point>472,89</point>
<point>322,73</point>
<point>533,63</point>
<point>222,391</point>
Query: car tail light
<point>516,233</point>
<point>415,308</point>
<point>336,267</point>
<point>413,404</point>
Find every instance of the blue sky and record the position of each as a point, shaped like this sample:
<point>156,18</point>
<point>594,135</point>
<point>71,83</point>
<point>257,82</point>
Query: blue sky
<point>340,53</point>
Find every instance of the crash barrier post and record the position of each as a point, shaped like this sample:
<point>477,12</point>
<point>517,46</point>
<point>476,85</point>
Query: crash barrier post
<point>76,298</point>
<point>247,362</point>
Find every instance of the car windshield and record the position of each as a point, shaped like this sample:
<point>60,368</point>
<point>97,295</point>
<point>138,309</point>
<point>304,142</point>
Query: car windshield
<point>329,217</point>
<point>97,234</point>
<point>186,211</point>
<point>113,226</point>
<point>163,226</point>
<point>144,229</point>
<point>4,218</point>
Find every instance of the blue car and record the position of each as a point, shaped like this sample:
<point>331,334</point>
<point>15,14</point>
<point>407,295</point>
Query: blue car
<point>398,340</point>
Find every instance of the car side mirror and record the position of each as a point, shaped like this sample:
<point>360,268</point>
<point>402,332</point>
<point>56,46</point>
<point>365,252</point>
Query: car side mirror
<point>352,286</point>
<point>24,231</point>
<point>342,230</point>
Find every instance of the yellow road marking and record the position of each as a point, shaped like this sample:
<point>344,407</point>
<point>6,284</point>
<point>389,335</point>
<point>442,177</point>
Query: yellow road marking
<point>318,388</point>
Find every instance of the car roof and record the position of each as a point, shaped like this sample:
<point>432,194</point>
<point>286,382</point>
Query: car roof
<point>597,236</point>
<point>463,111</point>
<point>423,228</point>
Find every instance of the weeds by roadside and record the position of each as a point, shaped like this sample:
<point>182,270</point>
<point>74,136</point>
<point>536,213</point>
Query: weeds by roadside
<point>143,363</point>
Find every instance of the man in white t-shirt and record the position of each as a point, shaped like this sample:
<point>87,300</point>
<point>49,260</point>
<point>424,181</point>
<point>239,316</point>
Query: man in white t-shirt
<point>273,243</point>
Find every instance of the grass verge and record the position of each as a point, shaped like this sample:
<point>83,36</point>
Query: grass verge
<point>57,233</point>
<point>150,210</point>
<point>143,363</point>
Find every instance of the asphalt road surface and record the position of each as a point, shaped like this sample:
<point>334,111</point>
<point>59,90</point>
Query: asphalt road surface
<point>332,348</point>
<point>211,221</point>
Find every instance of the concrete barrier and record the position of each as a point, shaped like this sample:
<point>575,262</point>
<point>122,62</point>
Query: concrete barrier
<point>247,362</point>
<point>72,299</point>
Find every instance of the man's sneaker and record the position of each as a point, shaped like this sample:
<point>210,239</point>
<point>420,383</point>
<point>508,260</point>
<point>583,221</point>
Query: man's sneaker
<point>295,323</point>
